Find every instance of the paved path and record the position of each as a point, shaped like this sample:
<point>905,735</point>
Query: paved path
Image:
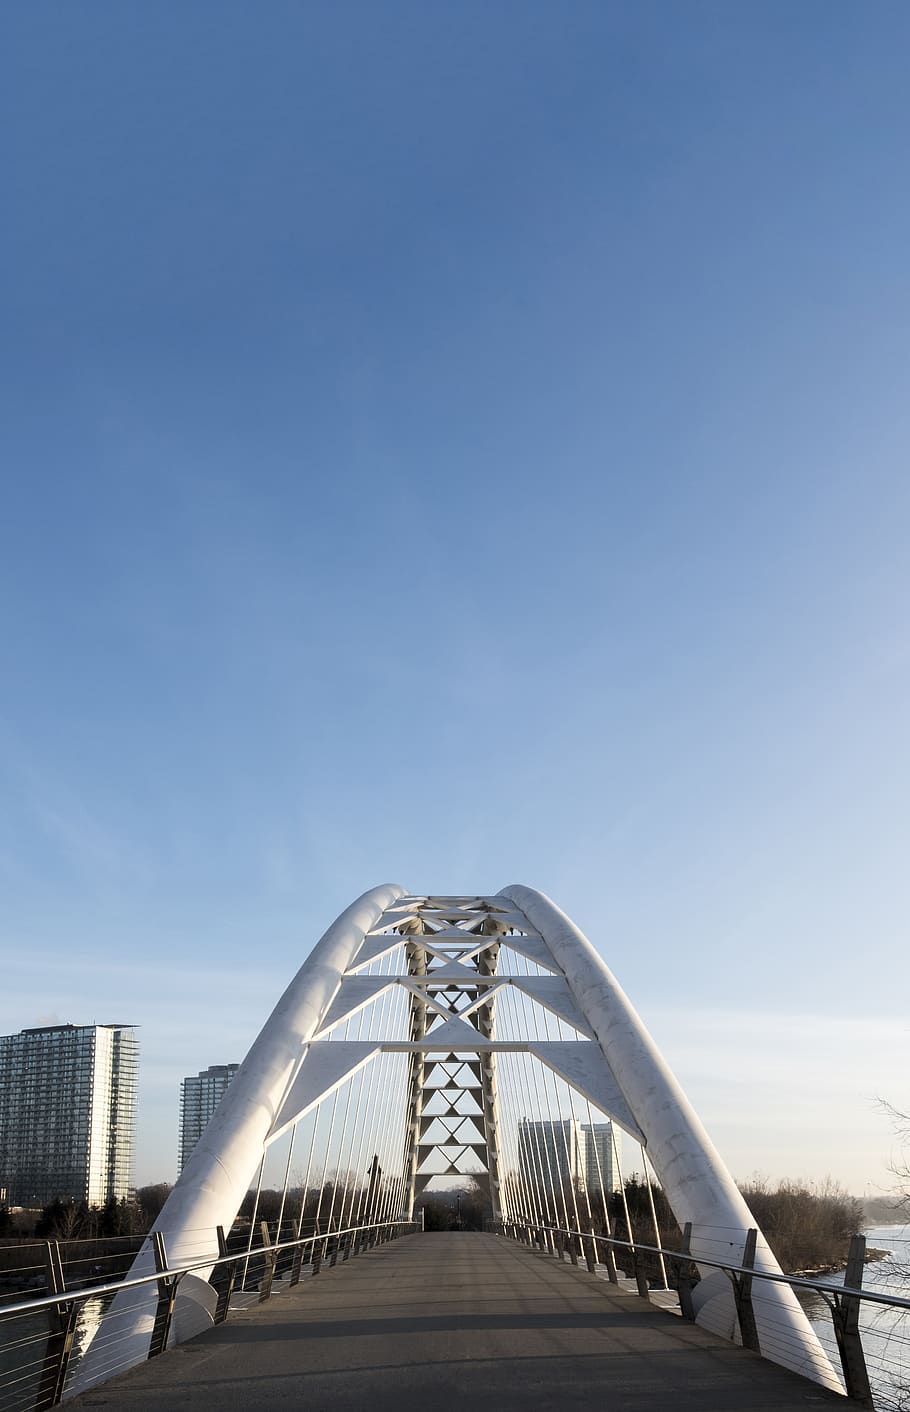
<point>443,1322</point>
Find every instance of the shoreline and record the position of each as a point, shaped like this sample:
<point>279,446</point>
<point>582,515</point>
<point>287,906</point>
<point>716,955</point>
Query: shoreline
<point>871,1256</point>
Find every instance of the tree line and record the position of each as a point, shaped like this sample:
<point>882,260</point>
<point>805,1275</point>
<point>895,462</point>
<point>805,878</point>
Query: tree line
<point>807,1227</point>
<point>62,1219</point>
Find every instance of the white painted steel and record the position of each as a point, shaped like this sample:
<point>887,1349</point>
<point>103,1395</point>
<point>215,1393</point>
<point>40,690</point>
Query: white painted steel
<point>584,1067</point>
<point>691,1171</point>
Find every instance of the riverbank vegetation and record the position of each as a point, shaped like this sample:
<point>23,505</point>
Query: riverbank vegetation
<point>808,1227</point>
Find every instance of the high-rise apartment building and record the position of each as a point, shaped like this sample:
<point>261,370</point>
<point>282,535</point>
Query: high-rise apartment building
<point>599,1162</point>
<point>200,1095</point>
<point>553,1154</point>
<point>548,1152</point>
<point>67,1113</point>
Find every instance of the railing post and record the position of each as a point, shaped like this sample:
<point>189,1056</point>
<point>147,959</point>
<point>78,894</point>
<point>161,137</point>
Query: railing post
<point>296,1262</point>
<point>683,1272</point>
<point>269,1263</point>
<point>223,1277</point>
<point>60,1339</point>
<point>641,1279</point>
<point>590,1249</point>
<point>167,1293</point>
<point>845,1315</point>
<point>610,1261</point>
<point>742,1294</point>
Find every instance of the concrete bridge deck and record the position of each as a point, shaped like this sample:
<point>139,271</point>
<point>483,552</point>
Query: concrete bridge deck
<point>442,1321</point>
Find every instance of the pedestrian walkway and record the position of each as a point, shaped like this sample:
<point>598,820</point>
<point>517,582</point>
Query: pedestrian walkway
<point>442,1322</point>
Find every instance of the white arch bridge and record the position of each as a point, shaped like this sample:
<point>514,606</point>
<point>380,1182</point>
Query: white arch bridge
<point>457,1036</point>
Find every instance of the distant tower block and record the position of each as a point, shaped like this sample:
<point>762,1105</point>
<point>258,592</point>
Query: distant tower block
<point>67,1113</point>
<point>200,1095</point>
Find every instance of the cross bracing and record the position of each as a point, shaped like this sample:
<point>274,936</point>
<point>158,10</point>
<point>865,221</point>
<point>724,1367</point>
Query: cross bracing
<point>454,1037</point>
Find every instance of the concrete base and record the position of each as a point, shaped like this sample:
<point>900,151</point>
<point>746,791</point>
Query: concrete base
<point>438,1321</point>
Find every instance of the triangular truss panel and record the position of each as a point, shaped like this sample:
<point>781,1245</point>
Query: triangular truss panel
<point>373,948</point>
<point>553,993</point>
<point>532,948</point>
<point>353,994</point>
<point>324,1068</point>
<point>585,1069</point>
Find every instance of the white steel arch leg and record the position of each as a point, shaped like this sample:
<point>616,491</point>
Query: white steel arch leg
<point>691,1171</point>
<point>215,1179</point>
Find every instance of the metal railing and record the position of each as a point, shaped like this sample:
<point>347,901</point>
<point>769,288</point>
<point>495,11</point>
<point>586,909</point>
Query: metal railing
<point>39,1343</point>
<point>844,1302</point>
<point>43,1336</point>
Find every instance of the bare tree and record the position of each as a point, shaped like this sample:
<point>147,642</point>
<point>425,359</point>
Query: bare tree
<point>897,1397</point>
<point>900,1122</point>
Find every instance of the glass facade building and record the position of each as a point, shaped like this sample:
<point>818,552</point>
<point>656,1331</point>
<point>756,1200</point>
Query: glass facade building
<point>553,1156</point>
<point>200,1095</point>
<point>67,1113</point>
<point>599,1157</point>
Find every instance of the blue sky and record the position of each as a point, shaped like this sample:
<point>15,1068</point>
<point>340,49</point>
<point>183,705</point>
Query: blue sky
<point>459,445</point>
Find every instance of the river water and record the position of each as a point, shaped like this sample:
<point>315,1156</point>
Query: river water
<point>23,1343</point>
<point>885,1332</point>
